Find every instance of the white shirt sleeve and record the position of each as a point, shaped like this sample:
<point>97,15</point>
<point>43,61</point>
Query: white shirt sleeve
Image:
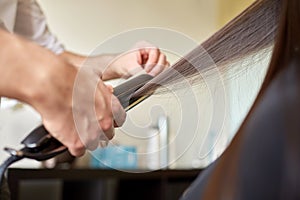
<point>31,24</point>
<point>8,14</point>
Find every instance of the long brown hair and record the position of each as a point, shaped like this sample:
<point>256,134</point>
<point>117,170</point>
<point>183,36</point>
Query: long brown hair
<point>252,31</point>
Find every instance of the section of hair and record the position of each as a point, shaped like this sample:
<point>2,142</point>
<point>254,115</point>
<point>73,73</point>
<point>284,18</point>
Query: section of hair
<point>250,32</point>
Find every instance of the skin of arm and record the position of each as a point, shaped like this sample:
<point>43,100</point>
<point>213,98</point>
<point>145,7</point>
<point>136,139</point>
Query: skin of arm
<point>38,77</point>
<point>142,56</point>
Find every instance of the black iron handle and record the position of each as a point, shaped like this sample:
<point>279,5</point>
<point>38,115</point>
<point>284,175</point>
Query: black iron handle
<point>40,145</point>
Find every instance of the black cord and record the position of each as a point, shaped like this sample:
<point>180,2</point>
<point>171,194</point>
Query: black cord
<point>6,164</point>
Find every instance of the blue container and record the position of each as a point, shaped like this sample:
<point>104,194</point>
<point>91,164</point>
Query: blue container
<point>114,157</point>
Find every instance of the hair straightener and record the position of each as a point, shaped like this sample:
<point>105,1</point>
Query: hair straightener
<point>40,145</point>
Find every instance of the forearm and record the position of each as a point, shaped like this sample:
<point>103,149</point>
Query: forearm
<point>73,58</point>
<point>12,84</point>
<point>100,63</point>
<point>25,69</point>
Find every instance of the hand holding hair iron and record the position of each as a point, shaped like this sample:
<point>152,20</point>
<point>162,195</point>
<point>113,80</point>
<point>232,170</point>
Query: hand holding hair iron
<point>40,145</point>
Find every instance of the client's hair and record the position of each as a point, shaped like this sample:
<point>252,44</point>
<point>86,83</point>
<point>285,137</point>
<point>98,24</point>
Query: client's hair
<point>251,32</point>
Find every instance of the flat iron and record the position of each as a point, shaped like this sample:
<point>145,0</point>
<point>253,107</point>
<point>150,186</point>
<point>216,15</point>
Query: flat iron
<point>40,145</point>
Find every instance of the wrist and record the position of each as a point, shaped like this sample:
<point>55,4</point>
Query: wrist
<point>108,67</point>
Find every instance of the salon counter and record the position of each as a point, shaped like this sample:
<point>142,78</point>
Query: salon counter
<point>90,184</point>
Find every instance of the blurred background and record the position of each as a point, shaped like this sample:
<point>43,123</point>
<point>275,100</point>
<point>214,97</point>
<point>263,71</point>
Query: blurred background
<point>83,25</point>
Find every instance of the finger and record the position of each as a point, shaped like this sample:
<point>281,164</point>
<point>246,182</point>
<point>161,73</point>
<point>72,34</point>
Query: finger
<point>76,152</point>
<point>67,135</point>
<point>139,56</point>
<point>153,55</point>
<point>145,57</point>
<point>160,66</point>
<point>110,88</point>
<point>104,111</point>
<point>77,148</point>
<point>103,136</point>
<point>107,134</point>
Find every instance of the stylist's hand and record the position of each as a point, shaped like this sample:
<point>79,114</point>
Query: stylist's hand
<point>77,108</point>
<point>142,56</point>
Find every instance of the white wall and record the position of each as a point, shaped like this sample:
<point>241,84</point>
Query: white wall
<point>82,24</point>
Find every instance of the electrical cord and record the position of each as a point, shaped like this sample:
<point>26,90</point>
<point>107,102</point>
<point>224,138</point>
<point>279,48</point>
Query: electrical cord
<point>6,164</point>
